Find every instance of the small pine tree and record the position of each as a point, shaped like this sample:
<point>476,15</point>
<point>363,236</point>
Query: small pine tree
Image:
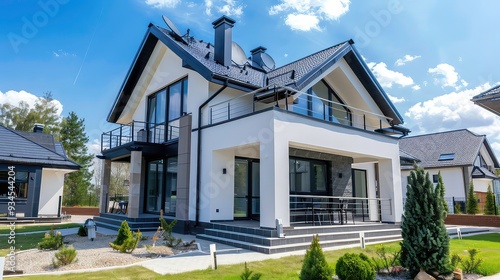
<point>315,266</point>
<point>442,191</point>
<point>471,207</point>
<point>425,242</point>
<point>489,207</point>
<point>126,241</point>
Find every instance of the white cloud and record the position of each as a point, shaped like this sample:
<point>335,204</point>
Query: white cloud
<point>162,3</point>
<point>302,22</point>
<point>226,7</point>
<point>60,53</point>
<point>395,99</point>
<point>454,111</point>
<point>388,77</point>
<point>13,98</point>
<point>415,87</point>
<point>298,11</point>
<point>406,58</point>
<point>446,76</point>
<point>208,7</point>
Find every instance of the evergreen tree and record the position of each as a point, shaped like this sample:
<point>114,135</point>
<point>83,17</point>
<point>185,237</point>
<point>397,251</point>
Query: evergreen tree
<point>315,266</point>
<point>441,192</point>
<point>23,117</point>
<point>425,242</point>
<point>489,207</point>
<point>74,140</point>
<point>471,208</point>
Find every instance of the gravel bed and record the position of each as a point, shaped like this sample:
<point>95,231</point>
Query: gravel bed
<point>90,254</point>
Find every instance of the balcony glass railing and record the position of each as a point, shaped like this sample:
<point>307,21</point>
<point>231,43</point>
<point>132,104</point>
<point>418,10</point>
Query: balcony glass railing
<point>298,102</point>
<point>140,132</point>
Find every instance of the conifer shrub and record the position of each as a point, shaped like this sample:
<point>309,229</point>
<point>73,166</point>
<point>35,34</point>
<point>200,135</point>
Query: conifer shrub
<point>51,241</point>
<point>315,266</point>
<point>126,241</point>
<point>355,267</point>
<point>248,274</point>
<point>65,256</point>
<point>441,192</point>
<point>170,240</point>
<point>489,207</point>
<point>82,231</point>
<point>425,242</point>
<point>471,206</point>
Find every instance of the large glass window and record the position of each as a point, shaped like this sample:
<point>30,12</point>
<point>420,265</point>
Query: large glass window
<point>307,176</point>
<point>171,186</point>
<point>20,185</point>
<point>154,187</point>
<point>164,107</point>
<point>323,103</point>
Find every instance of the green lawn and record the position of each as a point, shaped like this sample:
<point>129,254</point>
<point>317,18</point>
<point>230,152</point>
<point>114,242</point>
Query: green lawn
<point>289,267</point>
<point>5,229</point>
<point>23,242</point>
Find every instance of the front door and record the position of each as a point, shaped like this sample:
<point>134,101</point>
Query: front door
<point>246,189</point>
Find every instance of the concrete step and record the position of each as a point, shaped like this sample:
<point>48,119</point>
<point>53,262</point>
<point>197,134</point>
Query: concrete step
<point>113,223</point>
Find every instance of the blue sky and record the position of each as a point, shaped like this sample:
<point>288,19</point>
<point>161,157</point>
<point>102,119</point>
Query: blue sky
<point>431,57</point>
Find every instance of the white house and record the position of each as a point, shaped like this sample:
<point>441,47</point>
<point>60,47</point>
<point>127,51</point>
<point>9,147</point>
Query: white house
<point>213,136</point>
<point>461,156</point>
<point>36,164</point>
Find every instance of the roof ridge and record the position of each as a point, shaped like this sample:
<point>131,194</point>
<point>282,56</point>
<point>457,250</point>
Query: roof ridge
<point>442,132</point>
<point>307,56</point>
<point>14,132</point>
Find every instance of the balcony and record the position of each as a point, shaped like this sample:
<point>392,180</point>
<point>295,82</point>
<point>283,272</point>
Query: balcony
<point>142,132</point>
<point>304,104</point>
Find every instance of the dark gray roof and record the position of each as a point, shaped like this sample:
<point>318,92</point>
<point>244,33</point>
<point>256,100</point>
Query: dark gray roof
<point>406,158</point>
<point>19,148</point>
<point>489,100</point>
<point>199,56</point>
<point>482,172</point>
<point>43,139</point>
<point>428,148</point>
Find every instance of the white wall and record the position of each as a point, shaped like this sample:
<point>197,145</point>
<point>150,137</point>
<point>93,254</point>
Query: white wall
<point>51,188</point>
<point>274,132</point>
<point>481,185</point>
<point>453,180</point>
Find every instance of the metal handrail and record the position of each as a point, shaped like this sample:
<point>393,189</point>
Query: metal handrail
<point>139,131</point>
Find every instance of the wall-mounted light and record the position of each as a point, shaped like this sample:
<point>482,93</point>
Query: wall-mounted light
<point>340,175</point>
<point>224,171</point>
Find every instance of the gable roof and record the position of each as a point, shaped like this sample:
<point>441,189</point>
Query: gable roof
<point>30,148</point>
<point>199,56</point>
<point>489,100</point>
<point>464,144</point>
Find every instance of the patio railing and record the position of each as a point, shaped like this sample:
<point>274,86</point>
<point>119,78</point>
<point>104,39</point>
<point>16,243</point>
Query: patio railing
<point>327,210</point>
<point>137,131</point>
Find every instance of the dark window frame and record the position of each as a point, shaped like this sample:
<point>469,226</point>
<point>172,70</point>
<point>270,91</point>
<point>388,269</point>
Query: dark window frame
<point>446,156</point>
<point>331,94</point>
<point>313,189</point>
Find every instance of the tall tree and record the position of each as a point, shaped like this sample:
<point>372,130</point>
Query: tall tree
<point>441,192</point>
<point>23,117</point>
<point>490,207</point>
<point>425,242</point>
<point>74,140</point>
<point>471,206</point>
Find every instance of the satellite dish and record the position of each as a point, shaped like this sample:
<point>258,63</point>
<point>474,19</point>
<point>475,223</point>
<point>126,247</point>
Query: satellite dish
<point>238,55</point>
<point>267,61</point>
<point>175,31</point>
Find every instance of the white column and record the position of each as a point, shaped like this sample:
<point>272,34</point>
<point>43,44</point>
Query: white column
<point>274,182</point>
<point>390,189</point>
<point>134,195</point>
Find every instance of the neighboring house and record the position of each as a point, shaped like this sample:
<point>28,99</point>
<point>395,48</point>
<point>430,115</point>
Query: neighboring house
<point>461,156</point>
<point>490,100</point>
<point>39,164</point>
<point>213,136</point>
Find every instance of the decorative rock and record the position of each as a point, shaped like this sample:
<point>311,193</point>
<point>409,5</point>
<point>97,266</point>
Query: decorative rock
<point>457,274</point>
<point>422,275</point>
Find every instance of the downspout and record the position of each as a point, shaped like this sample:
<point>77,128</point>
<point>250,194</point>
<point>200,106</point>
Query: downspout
<point>198,151</point>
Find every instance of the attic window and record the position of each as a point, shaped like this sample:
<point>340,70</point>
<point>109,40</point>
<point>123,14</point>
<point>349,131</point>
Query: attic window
<point>447,157</point>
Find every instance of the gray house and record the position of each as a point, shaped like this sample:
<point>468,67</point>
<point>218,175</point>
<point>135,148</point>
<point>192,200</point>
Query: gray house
<point>39,164</point>
<point>461,156</point>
